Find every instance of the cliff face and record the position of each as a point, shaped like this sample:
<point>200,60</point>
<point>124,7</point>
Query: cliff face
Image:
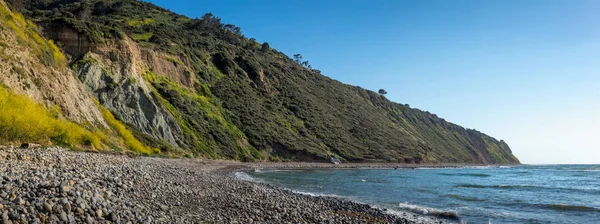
<point>32,66</point>
<point>202,87</point>
<point>114,75</point>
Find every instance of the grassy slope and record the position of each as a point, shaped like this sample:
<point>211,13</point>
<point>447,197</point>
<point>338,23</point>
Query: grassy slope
<point>24,120</point>
<point>260,95</point>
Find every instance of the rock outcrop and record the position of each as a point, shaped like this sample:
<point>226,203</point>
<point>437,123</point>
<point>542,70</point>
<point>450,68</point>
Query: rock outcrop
<point>114,75</point>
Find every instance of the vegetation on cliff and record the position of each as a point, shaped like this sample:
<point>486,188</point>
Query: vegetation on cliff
<point>248,101</point>
<point>27,34</point>
<point>23,120</point>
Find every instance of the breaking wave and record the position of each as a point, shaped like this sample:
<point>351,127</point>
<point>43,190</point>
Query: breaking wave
<point>428,211</point>
<point>244,176</point>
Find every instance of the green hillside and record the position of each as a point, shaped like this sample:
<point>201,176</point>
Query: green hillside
<point>215,93</point>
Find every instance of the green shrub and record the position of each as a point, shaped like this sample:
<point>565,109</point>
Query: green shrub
<point>142,36</point>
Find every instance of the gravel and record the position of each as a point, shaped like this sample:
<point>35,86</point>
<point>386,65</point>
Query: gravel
<point>53,185</point>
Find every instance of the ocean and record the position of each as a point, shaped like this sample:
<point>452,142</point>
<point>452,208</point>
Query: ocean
<point>492,194</point>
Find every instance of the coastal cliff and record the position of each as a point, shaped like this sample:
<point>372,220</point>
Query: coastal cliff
<point>200,88</point>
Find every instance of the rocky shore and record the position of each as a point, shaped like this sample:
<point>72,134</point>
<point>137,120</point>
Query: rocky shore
<point>57,186</point>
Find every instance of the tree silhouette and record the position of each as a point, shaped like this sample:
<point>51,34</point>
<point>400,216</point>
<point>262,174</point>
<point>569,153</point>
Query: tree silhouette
<point>265,47</point>
<point>298,58</point>
<point>382,91</point>
<point>233,28</point>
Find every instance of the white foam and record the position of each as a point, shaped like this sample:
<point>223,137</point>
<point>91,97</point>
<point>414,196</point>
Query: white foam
<point>275,170</point>
<point>488,167</point>
<point>316,194</point>
<point>244,176</point>
<point>414,208</point>
<point>422,209</point>
<point>413,216</point>
<point>479,167</point>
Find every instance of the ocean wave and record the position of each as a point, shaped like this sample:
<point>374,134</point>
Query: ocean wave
<point>529,188</point>
<point>428,211</point>
<point>471,186</point>
<point>488,167</point>
<point>563,207</point>
<point>244,176</point>
<point>478,167</point>
<point>466,174</point>
<point>275,170</point>
<point>316,194</point>
<point>434,168</point>
<point>464,198</point>
<point>579,169</point>
<point>555,207</point>
<point>505,186</point>
<point>247,177</point>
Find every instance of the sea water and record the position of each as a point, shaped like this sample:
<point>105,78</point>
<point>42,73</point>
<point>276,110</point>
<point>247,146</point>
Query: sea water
<point>504,194</point>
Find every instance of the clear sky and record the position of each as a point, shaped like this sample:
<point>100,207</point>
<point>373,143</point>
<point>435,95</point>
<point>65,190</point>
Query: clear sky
<point>526,71</point>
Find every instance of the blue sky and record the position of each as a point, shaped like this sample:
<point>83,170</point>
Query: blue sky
<point>526,71</point>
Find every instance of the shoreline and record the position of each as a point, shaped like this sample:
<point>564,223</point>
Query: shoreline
<point>232,166</point>
<point>53,184</point>
<point>411,216</point>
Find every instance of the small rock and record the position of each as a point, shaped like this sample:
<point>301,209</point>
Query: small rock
<point>80,211</point>
<point>48,207</point>
<point>113,217</point>
<point>66,189</point>
<point>63,216</point>
<point>19,201</point>
<point>67,208</point>
<point>5,217</point>
<point>164,207</point>
<point>14,215</point>
<point>89,220</point>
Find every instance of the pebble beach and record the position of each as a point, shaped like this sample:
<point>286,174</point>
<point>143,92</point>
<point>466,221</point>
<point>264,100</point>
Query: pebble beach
<point>54,185</point>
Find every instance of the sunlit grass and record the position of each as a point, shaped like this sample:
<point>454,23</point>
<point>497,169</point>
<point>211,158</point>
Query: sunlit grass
<point>23,120</point>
